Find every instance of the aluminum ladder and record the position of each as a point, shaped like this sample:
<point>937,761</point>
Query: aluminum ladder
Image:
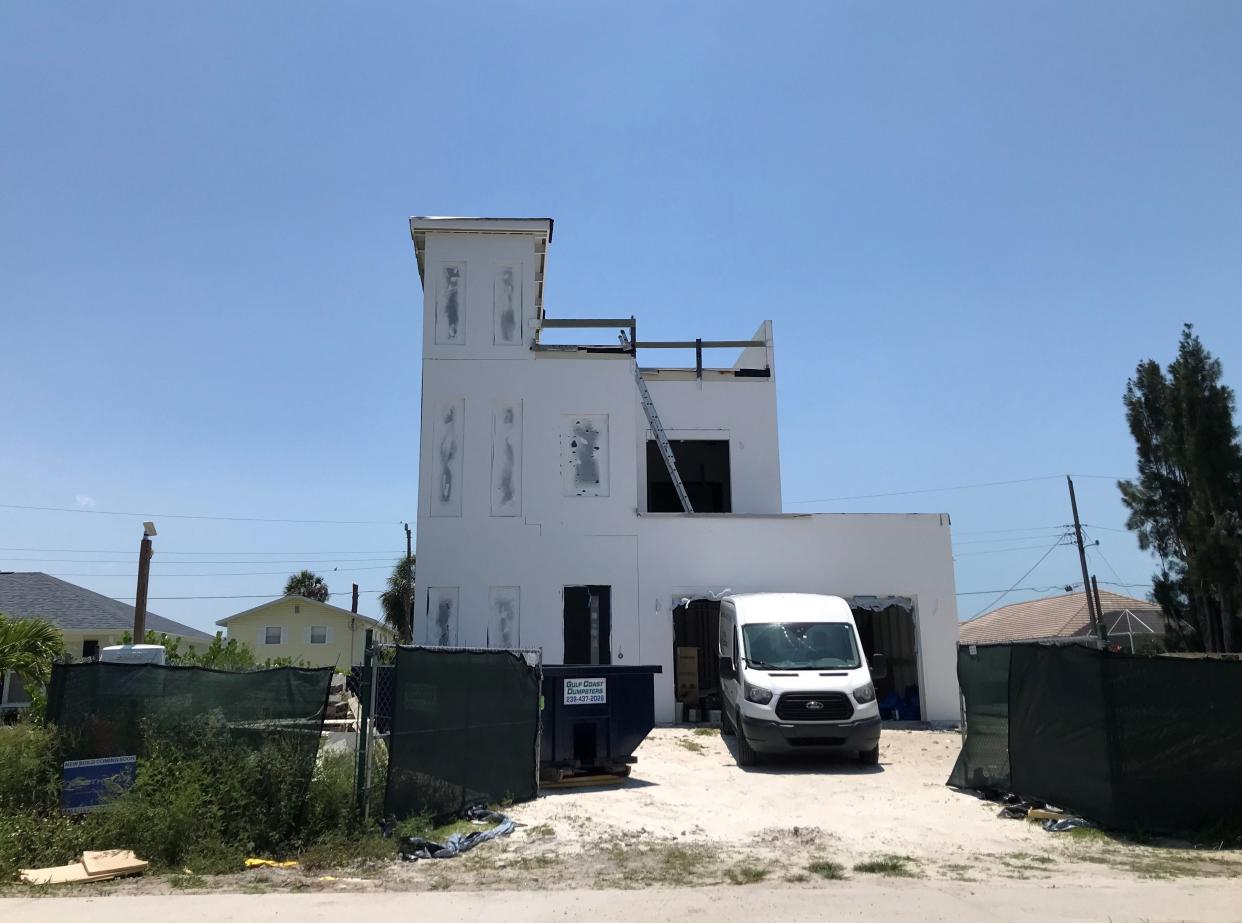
<point>657,428</point>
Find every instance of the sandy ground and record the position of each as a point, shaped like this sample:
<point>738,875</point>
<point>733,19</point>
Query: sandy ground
<point>892,902</point>
<point>690,818</point>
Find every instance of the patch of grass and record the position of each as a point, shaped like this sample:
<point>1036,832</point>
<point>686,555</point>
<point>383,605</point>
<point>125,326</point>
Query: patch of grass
<point>537,861</point>
<point>889,864</point>
<point>826,868</point>
<point>745,874</point>
<point>689,743</point>
<point>338,851</point>
<point>797,878</point>
<point>541,832</point>
<point>706,732</point>
<point>959,872</point>
<point>187,882</point>
<point>661,863</point>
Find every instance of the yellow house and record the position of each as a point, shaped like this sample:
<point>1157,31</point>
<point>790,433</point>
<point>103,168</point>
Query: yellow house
<point>315,633</point>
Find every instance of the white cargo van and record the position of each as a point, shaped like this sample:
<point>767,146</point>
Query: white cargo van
<point>793,677</point>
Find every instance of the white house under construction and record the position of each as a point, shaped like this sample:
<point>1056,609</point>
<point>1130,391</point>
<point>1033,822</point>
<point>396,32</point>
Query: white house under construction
<point>548,518</point>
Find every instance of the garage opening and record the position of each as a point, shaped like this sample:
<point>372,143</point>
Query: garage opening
<point>704,468</point>
<point>886,626</point>
<point>588,624</point>
<point>696,658</point>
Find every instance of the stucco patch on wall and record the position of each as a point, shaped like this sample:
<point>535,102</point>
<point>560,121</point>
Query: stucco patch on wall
<point>442,615</point>
<point>447,447</point>
<point>584,454</point>
<point>450,290</point>
<point>507,458</point>
<point>503,627</point>
<point>507,294</point>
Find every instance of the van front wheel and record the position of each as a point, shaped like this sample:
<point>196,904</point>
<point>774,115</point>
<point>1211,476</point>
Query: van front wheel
<point>726,724</point>
<point>745,755</point>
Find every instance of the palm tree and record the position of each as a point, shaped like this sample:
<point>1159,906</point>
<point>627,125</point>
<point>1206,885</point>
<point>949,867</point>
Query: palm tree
<point>28,647</point>
<point>397,602</point>
<point>309,584</point>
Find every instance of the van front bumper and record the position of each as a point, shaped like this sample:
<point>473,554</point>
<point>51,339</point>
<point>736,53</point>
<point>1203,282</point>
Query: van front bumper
<point>789,737</point>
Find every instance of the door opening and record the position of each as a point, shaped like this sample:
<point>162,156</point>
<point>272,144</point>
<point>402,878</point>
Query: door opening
<point>588,624</point>
<point>891,631</point>
<point>696,653</point>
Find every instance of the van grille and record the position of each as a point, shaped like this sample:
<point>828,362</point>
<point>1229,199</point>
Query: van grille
<point>814,706</point>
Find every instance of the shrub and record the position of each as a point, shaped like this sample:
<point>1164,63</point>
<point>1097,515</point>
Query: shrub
<point>202,799</point>
<point>28,768</point>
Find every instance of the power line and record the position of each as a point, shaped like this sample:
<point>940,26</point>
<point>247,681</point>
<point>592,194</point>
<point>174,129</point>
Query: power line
<point>242,573</point>
<point>998,531</point>
<point>148,515</point>
<point>1033,589</point>
<point>1041,560</point>
<point>968,554</point>
<point>294,561</point>
<point>1011,538</point>
<point>130,599</point>
<point>936,490</point>
<point>165,551</point>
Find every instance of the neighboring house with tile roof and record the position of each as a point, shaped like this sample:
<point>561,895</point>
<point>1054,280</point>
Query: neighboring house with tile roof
<point>89,621</point>
<point>1130,622</point>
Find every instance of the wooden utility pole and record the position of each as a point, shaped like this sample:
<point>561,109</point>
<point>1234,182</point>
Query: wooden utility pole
<point>1082,560</point>
<point>406,601</point>
<point>353,606</point>
<point>144,574</point>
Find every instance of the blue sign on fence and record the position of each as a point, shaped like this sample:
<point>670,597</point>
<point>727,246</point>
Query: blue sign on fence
<point>85,784</point>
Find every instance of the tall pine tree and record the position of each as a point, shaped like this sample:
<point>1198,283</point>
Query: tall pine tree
<point>1186,504</point>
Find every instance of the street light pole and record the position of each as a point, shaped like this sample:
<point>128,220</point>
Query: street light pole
<point>144,574</point>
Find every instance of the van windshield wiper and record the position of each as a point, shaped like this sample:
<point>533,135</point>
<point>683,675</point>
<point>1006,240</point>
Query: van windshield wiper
<point>762,664</point>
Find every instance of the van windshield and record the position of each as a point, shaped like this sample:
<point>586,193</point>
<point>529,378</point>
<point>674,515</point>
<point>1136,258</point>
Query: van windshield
<point>801,645</point>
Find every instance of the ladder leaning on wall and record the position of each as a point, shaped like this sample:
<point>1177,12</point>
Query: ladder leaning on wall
<point>657,428</point>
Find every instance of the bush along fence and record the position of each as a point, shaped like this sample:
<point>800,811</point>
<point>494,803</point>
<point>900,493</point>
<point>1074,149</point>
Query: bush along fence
<point>189,767</point>
<point>1138,743</point>
<point>195,768</point>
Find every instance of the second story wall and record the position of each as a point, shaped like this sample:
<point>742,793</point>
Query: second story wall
<point>740,411</point>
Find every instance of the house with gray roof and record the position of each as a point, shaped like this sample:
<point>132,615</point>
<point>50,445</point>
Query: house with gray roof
<point>88,620</point>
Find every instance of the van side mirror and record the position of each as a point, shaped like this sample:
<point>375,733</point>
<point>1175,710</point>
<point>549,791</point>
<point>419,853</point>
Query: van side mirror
<point>879,666</point>
<point>727,669</point>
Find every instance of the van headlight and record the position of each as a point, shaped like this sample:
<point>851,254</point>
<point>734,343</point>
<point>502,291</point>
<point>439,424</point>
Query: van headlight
<point>758,694</point>
<point>865,693</point>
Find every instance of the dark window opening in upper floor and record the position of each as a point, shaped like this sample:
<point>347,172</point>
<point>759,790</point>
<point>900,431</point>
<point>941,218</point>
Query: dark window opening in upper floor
<point>703,465</point>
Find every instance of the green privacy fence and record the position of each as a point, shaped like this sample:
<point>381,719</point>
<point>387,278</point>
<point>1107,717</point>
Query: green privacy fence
<point>104,710</point>
<point>465,730</point>
<point>1138,743</point>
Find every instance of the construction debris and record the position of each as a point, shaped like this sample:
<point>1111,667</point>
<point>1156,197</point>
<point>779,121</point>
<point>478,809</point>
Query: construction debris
<point>254,863</point>
<point>99,865</point>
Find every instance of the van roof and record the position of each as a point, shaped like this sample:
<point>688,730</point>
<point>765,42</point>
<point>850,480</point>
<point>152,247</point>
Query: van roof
<point>791,606</point>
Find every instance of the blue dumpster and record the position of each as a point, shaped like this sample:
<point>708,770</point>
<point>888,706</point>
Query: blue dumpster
<point>594,718</point>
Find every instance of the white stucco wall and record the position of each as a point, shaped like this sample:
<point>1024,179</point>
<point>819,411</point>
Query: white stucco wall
<point>486,530</point>
<point>842,555</point>
<point>742,411</point>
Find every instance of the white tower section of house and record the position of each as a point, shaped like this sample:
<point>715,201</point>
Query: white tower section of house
<point>541,525</point>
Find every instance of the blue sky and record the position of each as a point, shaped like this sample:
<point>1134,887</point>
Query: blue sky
<point>967,221</point>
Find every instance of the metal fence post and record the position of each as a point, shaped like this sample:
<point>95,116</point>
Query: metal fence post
<point>365,698</point>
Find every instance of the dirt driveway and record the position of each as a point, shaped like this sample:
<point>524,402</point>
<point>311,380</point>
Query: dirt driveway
<point>690,818</point>
<point>785,816</point>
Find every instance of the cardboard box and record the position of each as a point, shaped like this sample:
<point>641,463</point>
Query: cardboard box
<point>686,674</point>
